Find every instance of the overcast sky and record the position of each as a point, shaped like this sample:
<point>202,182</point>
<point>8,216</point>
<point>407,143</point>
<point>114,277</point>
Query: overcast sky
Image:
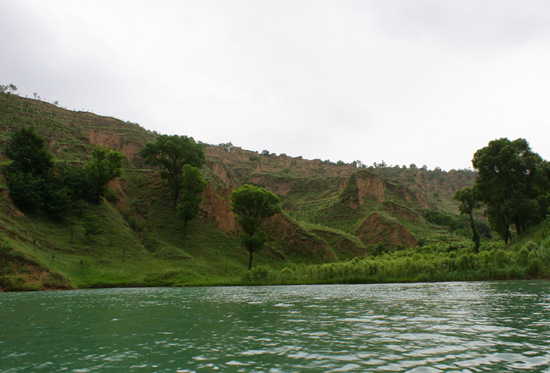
<point>405,81</point>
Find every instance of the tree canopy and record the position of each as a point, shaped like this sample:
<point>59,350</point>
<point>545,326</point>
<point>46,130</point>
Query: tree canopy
<point>28,151</point>
<point>253,205</point>
<point>36,182</point>
<point>514,184</point>
<point>192,186</point>
<point>31,171</point>
<point>106,164</point>
<point>171,153</point>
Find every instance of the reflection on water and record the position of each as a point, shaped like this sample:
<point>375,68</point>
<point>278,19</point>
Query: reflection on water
<point>437,327</point>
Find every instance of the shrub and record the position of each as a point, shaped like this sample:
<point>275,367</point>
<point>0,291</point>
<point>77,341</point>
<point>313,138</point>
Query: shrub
<point>111,195</point>
<point>258,275</point>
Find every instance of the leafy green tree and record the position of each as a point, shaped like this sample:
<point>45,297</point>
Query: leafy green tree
<point>34,181</point>
<point>106,164</point>
<point>56,196</point>
<point>76,181</point>
<point>26,190</point>
<point>37,183</point>
<point>514,183</point>
<point>171,153</point>
<point>28,151</point>
<point>192,186</point>
<point>31,168</point>
<point>253,205</point>
<point>469,202</point>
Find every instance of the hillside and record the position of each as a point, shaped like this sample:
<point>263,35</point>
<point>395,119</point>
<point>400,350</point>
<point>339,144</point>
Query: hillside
<point>331,212</point>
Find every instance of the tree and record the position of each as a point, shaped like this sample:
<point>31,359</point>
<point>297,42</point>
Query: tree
<point>226,146</point>
<point>75,179</point>
<point>31,168</point>
<point>56,196</point>
<point>11,87</point>
<point>26,190</point>
<point>29,153</point>
<point>34,180</point>
<point>514,183</point>
<point>106,164</point>
<point>171,153</point>
<point>253,205</point>
<point>469,199</point>
<point>192,186</point>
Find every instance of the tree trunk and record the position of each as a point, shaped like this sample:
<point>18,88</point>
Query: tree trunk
<point>518,227</point>
<point>176,195</point>
<point>506,234</point>
<point>476,235</point>
<point>250,260</point>
<point>184,226</point>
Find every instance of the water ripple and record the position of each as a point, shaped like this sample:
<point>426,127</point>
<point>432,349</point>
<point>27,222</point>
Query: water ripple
<point>419,328</point>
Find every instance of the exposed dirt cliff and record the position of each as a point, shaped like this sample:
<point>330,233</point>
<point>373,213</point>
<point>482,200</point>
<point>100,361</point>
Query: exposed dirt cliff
<point>216,209</point>
<point>130,149</point>
<point>363,184</point>
<point>293,241</point>
<point>376,230</point>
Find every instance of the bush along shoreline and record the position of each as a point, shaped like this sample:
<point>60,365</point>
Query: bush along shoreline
<point>433,263</point>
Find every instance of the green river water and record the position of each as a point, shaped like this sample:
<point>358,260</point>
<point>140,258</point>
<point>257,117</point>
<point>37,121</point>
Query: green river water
<point>426,327</point>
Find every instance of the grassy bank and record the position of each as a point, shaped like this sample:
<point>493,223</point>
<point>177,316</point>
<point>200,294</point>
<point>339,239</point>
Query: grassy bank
<point>438,262</point>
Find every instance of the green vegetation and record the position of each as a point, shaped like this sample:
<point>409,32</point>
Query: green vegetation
<point>106,164</point>
<point>438,262</point>
<point>78,214</point>
<point>36,183</point>
<point>513,184</point>
<point>253,206</point>
<point>172,153</point>
<point>192,185</point>
<point>469,202</point>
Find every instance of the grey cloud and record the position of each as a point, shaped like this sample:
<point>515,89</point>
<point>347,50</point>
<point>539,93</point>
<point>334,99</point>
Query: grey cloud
<point>465,23</point>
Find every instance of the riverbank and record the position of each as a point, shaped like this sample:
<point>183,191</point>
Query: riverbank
<point>440,262</point>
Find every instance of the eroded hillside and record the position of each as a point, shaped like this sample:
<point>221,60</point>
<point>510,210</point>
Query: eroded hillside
<point>332,212</point>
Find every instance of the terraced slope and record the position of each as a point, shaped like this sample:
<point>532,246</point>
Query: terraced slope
<point>332,212</point>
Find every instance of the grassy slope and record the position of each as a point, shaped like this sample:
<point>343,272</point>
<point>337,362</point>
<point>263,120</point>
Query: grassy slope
<point>121,256</point>
<point>142,242</point>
